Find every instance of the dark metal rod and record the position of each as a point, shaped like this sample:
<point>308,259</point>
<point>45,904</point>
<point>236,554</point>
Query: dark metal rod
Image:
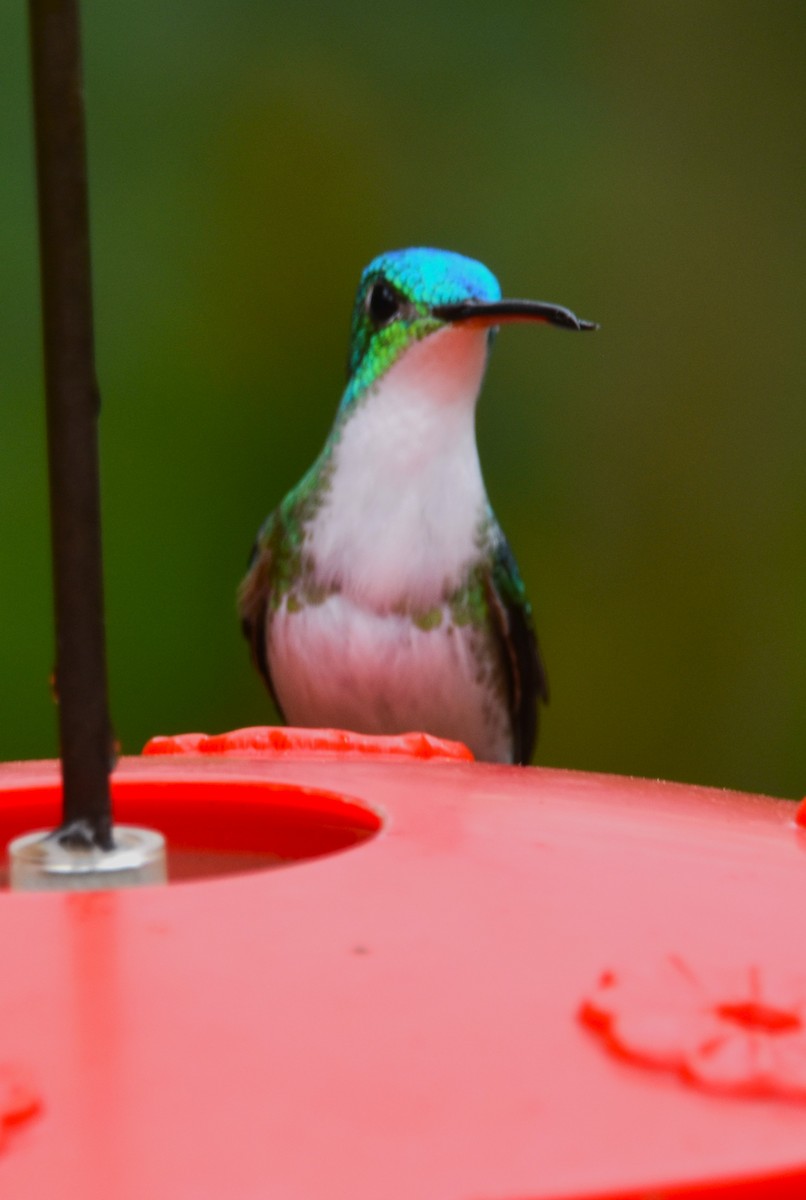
<point>73,405</point>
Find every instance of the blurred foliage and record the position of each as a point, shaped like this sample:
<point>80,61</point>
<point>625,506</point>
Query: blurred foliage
<point>642,163</point>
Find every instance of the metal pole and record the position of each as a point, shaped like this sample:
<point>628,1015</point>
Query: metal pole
<point>72,416</point>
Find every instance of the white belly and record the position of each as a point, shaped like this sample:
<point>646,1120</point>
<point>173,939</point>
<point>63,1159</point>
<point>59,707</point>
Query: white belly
<point>336,664</point>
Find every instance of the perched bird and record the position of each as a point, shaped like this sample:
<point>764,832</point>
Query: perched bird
<point>382,595</point>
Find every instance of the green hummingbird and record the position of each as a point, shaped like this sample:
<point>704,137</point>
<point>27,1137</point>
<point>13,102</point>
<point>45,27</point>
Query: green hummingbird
<point>382,595</point>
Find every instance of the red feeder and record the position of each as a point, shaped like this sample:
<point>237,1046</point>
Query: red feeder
<point>465,981</point>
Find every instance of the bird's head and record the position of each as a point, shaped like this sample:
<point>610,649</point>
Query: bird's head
<point>407,295</point>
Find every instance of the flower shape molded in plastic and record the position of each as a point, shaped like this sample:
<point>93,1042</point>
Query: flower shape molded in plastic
<point>741,1033</point>
<point>259,741</point>
<point>19,1101</point>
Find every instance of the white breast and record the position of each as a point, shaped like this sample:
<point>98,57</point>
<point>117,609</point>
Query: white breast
<point>406,496</point>
<point>338,664</point>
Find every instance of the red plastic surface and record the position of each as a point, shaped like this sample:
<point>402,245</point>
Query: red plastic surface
<point>403,1019</point>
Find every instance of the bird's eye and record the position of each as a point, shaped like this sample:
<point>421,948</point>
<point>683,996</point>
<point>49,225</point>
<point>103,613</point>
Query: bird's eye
<point>383,303</point>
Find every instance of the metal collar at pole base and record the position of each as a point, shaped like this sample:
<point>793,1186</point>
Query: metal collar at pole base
<point>39,863</point>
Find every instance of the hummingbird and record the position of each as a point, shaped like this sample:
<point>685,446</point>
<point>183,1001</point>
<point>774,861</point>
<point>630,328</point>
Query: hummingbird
<point>382,595</point>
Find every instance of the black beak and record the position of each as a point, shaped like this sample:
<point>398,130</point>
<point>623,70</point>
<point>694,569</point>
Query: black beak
<point>503,311</point>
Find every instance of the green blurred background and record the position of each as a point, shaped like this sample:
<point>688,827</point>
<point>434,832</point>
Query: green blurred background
<point>641,162</point>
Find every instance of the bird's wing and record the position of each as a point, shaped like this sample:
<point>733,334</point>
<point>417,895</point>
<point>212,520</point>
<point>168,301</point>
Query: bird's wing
<point>254,595</point>
<point>526,678</point>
